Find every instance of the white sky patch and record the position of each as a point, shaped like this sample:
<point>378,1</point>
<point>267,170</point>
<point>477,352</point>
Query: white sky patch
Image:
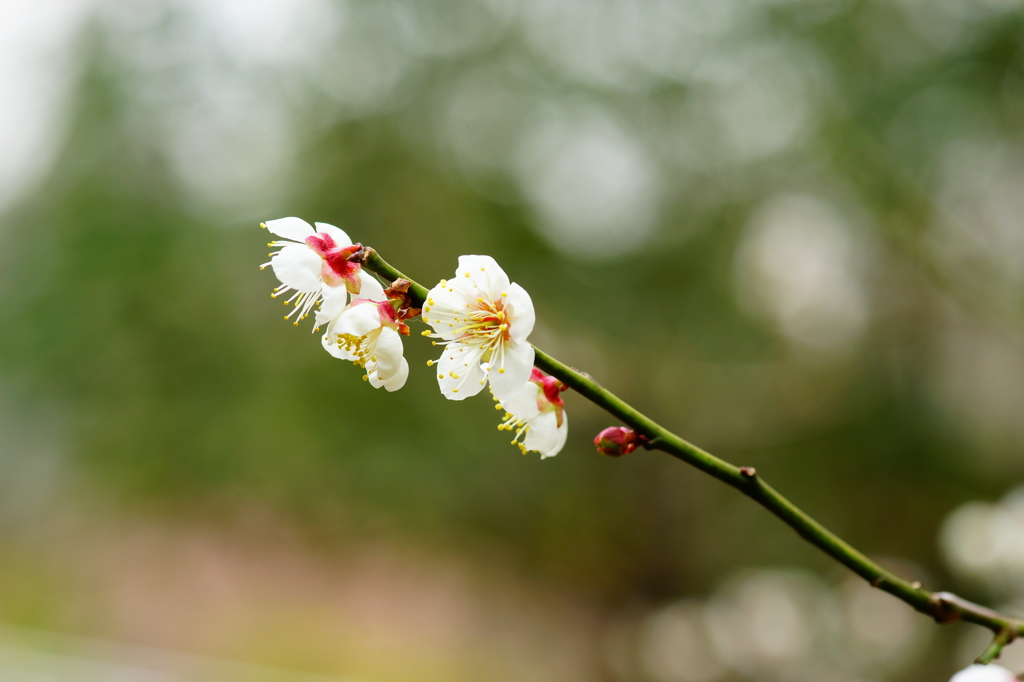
<point>798,266</point>
<point>37,73</point>
<point>594,188</point>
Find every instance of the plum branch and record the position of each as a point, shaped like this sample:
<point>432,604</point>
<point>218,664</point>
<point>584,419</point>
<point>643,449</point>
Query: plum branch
<point>943,607</point>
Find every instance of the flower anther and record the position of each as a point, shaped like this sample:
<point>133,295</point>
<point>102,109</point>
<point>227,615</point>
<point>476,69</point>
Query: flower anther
<point>616,441</point>
<point>369,334</point>
<point>537,415</point>
<point>483,321</point>
<point>314,264</point>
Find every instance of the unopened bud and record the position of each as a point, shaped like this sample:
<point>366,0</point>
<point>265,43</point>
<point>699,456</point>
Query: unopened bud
<point>616,441</point>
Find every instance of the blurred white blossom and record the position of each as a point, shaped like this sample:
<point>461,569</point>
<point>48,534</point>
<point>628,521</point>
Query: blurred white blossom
<point>775,624</point>
<point>674,645</point>
<point>595,189</point>
<point>799,266</point>
<point>984,542</point>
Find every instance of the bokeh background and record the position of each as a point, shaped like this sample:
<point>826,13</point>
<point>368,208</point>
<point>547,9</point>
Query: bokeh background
<point>791,230</point>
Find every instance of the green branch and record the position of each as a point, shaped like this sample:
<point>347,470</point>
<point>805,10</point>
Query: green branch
<point>944,607</point>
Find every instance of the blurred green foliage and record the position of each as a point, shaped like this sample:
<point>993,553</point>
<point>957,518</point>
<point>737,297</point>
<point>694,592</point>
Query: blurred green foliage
<point>135,316</point>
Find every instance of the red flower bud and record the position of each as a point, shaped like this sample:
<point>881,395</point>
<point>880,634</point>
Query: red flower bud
<point>616,441</point>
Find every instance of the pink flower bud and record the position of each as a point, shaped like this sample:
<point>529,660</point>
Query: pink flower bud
<point>616,441</point>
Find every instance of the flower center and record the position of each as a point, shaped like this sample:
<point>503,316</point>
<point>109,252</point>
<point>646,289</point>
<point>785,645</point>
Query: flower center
<point>361,347</point>
<point>485,324</point>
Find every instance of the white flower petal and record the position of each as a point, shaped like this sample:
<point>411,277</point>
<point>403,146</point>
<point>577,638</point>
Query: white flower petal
<point>369,287</point>
<point>359,320</point>
<point>446,305</point>
<point>334,301</point>
<point>295,229</point>
<point>388,352</point>
<point>522,317</point>
<point>484,275</point>
<point>394,383</point>
<point>517,363</point>
<point>523,405</point>
<point>545,435</point>
<point>446,299</point>
<point>458,372</point>
<point>337,234</point>
<point>298,267</point>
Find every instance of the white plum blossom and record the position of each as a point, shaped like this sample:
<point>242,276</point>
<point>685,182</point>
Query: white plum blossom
<point>984,673</point>
<point>483,321</point>
<point>314,264</point>
<point>369,334</point>
<point>537,415</point>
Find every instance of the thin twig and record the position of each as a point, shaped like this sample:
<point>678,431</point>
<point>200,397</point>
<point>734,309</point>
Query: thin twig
<point>944,607</point>
<point>1001,639</point>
